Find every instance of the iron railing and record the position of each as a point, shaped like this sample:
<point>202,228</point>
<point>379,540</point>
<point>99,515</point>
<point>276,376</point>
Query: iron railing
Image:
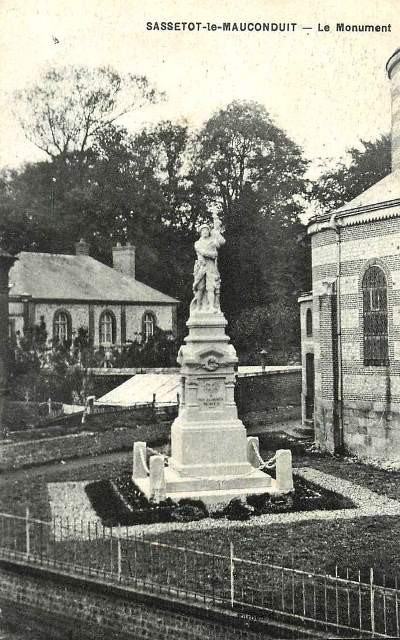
<point>347,603</point>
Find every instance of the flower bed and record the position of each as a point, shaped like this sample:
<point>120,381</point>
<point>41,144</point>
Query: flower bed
<point>119,501</point>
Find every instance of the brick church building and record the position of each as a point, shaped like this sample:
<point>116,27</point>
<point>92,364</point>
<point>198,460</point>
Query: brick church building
<point>68,292</point>
<point>350,322</point>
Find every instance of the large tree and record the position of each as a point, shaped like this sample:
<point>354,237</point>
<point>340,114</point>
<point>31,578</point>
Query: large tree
<point>69,106</point>
<point>241,146</point>
<point>363,167</point>
<point>153,188</point>
<point>254,174</point>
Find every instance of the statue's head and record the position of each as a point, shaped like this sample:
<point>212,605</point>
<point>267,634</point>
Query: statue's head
<point>204,231</point>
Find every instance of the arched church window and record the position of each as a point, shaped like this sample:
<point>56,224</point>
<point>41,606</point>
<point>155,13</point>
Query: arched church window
<point>375,317</point>
<point>107,328</point>
<point>309,322</point>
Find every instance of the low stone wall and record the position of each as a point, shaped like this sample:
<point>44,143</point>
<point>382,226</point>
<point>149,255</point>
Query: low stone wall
<point>56,607</point>
<point>34,452</point>
<point>18,414</point>
<point>272,395</point>
<point>269,390</point>
<point>276,387</point>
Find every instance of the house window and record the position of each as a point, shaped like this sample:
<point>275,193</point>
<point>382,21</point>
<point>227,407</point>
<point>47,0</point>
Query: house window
<point>62,326</point>
<point>375,317</point>
<point>149,323</point>
<point>309,322</point>
<point>107,328</point>
<point>11,328</point>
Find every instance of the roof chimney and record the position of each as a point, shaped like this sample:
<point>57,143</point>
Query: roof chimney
<point>393,69</point>
<point>124,259</point>
<point>81,248</point>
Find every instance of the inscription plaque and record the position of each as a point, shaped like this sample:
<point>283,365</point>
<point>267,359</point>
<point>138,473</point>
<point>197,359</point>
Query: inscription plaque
<point>211,393</point>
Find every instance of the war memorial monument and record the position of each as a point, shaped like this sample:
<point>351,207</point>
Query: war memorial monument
<point>212,459</point>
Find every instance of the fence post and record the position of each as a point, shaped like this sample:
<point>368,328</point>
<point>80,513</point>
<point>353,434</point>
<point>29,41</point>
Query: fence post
<point>27,534</point>
<point>119,559</point>
<point>111,551</point>
<point>372,600</point>
<point>232,575</point>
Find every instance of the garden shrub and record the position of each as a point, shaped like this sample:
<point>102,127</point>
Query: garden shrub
<point>189,510</point>
<point>237,510</point>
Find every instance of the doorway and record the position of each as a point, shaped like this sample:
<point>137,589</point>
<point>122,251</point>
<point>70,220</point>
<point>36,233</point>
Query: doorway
<point>310,386</point>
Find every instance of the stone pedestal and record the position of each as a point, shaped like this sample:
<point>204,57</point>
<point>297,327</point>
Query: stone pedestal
<point>209,458</point>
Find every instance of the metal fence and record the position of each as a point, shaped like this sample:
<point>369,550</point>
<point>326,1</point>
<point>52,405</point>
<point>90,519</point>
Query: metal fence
<point>347,603</point>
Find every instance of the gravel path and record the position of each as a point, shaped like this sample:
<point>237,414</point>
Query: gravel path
<point>68,501</point>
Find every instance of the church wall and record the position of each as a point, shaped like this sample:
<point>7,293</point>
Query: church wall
<point>307,347</point>
<point>371,394</point>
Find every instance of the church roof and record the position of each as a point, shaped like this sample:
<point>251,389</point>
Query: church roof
<point>385,190</point>
<point>48,276</point>
<point>380,201</point>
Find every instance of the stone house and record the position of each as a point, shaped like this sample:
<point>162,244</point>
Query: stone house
<point>350,322</point>
<point>72,291</point>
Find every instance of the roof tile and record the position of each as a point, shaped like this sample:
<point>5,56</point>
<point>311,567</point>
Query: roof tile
<point>66,277</point>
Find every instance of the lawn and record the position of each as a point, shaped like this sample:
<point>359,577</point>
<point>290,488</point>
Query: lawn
<point>314,544</point>
<point>29,486</point>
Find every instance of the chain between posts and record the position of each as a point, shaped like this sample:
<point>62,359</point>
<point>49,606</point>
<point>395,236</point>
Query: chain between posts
<point>269,464</point>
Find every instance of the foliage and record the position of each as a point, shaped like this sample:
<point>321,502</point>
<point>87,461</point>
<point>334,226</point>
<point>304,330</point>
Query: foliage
<point>160,350</point>
<point>272,328</point>
<point>366,166</point>
<point>240,146</point>
<point>68,107</point>
<point>237,510</point>
<point>153,188</point>
<point>189,510</point>
<point>39,371</point>
<point>254,175</point>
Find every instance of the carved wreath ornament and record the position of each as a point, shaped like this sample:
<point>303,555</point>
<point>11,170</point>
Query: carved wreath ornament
<point>211,364</point>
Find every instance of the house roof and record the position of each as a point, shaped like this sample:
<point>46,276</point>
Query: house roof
<point>380,201</point>
<point>49,276</point>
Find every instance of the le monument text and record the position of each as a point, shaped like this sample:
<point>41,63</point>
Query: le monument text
<point>271,27</point>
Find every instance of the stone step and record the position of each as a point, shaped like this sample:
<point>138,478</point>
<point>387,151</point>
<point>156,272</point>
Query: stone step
<point>304,432</point>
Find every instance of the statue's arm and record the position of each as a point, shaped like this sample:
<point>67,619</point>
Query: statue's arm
<point>204,253</point>
<point>218,238</point>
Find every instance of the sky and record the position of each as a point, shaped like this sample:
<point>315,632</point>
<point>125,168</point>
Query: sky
<point>326,89</point>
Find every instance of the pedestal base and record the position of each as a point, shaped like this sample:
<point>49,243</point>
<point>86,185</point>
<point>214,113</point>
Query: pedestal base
<point>211,457</point>
<point>213,491</point>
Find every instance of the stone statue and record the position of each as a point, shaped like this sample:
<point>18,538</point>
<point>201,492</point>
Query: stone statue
<point>206,278</point>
